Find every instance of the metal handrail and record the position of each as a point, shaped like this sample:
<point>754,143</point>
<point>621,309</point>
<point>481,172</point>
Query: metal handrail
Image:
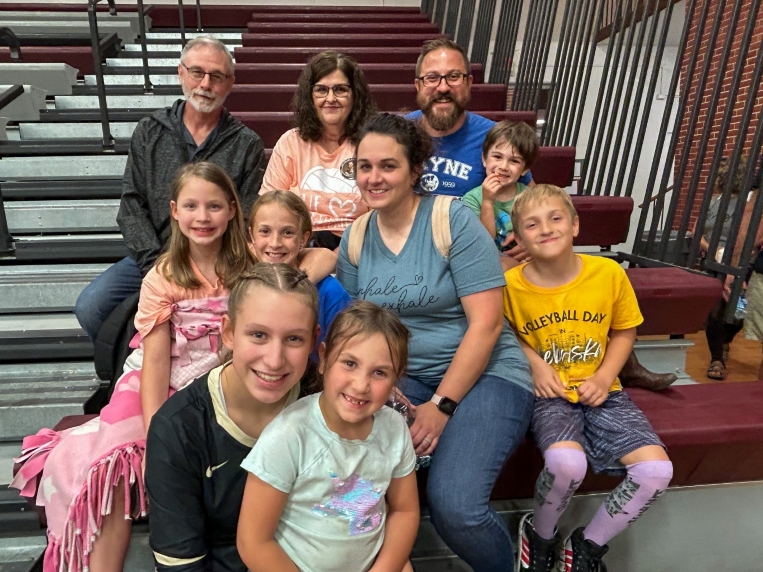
<point>181,20</point>
<point>108,140</point>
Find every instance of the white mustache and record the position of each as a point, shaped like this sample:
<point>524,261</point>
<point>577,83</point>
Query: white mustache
<point>204,93</point>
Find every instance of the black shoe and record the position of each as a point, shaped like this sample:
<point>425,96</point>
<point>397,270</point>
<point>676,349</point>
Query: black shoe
<point>633,374</point>
<point>581,555</point>
<point>536,554</point>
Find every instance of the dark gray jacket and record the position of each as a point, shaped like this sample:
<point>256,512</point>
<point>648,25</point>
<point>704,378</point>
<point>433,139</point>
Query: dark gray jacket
<point>157,151</point>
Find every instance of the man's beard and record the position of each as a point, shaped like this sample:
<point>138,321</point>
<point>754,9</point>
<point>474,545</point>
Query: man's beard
<point>202,106</point>
<point>441,122</point>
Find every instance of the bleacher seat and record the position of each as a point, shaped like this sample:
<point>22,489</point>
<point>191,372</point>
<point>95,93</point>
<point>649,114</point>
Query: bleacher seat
<point>713,433</point>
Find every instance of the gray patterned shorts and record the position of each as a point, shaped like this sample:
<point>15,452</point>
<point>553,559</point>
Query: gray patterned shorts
<point>607,432</point>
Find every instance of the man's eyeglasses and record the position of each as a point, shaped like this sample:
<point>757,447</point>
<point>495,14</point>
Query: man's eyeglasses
<point>340,91</point>
<point>198,74</point>
<point>453,79</point>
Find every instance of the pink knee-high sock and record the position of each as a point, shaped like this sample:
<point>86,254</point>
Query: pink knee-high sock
<point>562,474</point>
<point>644,484</point>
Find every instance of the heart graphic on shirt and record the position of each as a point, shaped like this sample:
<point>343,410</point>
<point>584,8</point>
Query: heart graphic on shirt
<point>346,208</point>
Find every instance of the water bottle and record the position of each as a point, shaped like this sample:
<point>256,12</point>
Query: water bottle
<point>741,311</point>
<point>402,408</point>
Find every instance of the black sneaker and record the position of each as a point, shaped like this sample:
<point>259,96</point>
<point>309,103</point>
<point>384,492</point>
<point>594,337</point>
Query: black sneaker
<point>536,554</point>
<point>581,555</point>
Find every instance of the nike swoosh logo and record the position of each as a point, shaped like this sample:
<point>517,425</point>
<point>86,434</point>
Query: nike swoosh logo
<point>211,470</point>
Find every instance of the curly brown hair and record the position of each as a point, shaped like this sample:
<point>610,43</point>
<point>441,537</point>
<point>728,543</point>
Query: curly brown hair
<point>305,117</point>
<point>724,172</point>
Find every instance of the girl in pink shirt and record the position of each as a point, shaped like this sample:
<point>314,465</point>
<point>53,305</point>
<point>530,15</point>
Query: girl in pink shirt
<point>92,477</point>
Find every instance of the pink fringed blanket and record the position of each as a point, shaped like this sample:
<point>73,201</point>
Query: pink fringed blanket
<point>83,465</point>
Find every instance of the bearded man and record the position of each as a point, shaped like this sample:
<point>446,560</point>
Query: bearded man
<point>198,128</point>
<point>443,84</point>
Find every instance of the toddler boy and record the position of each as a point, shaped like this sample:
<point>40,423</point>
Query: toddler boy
<point>576,316</point>
<point>508,153</point>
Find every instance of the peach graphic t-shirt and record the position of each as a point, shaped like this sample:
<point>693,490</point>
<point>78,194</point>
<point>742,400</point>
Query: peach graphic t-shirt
<point>325,181</point>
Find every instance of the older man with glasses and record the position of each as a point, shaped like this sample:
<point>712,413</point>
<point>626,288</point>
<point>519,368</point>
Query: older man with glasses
<point>195,129</point>
<point>443,84</point>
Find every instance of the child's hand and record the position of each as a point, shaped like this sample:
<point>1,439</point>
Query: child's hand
<point>491,187</point>
<point>518,253</point>
<point>546,381</point>
<point>594,390</point>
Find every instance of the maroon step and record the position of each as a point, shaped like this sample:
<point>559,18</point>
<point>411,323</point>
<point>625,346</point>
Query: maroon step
<point>338,41</point>
<point>302,55</point>
<point>340,17</point>
<point>80,57</point>
<point>554,166</point>
<point>604,220</point>
<point>389,97</point>
<point>673,301</point>
<point>374,73</point>
<point>342,28</point>
<point>271,125</point>
<point>276,9</point>
<point>714,433</point>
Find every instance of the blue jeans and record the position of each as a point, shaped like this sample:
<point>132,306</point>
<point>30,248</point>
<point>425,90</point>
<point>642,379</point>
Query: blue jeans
<point>491,421</point>
<point>102,295</point>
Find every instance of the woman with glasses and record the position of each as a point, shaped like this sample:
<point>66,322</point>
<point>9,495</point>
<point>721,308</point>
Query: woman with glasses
<point>315,159</point>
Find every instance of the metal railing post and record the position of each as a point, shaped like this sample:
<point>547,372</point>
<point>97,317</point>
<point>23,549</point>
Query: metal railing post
<point>561,56</point>
<point>682,167</point>
<point>465,25</point>
<point>720,139</point>
<point>6,241</point>
<point>198,16</point>
<point>181,21</point>
<point>108,140</point>
<point>147,87</point>
<point>649,97</point>
<point>638,246</point>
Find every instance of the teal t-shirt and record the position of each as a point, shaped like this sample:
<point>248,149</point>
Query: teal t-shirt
<point>425,290</point>
<point>501,209</point>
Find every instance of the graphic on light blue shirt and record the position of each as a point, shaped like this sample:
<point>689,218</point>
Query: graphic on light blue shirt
<point>356,500</point>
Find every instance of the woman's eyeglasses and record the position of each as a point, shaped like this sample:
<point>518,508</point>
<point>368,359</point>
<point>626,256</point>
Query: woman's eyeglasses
<point>198,74</point>
<point>340,91</point>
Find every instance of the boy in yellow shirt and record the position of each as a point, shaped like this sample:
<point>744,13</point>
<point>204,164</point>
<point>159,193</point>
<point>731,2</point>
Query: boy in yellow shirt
<point>576,316</point>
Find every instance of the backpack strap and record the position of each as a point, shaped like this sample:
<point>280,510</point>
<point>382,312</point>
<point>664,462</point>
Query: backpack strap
<point>357,235</point>
<point>440,230</point>
<point>441,224</point>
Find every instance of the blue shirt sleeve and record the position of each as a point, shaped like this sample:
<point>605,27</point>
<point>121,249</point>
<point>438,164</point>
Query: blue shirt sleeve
<point>526,178</point>
<point>333,299</point>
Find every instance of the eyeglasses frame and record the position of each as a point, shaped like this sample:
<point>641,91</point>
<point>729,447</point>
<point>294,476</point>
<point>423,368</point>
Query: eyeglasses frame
<point>464,76</point>
<point>331,90</point>
<point>225,77</point>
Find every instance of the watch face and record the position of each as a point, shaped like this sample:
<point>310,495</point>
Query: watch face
<point>447,406</point>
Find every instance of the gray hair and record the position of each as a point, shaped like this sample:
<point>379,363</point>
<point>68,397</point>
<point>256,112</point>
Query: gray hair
<point>210,41</point>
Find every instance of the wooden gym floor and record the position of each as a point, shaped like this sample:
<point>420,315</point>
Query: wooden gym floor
<point>744,358</point>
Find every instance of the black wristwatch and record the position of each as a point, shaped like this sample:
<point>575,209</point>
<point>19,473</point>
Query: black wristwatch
<point>445,404</point>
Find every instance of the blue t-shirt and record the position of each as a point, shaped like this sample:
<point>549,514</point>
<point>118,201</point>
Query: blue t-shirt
<point>425,290</point>
<point>332,299</point>
<point>455,166</point>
